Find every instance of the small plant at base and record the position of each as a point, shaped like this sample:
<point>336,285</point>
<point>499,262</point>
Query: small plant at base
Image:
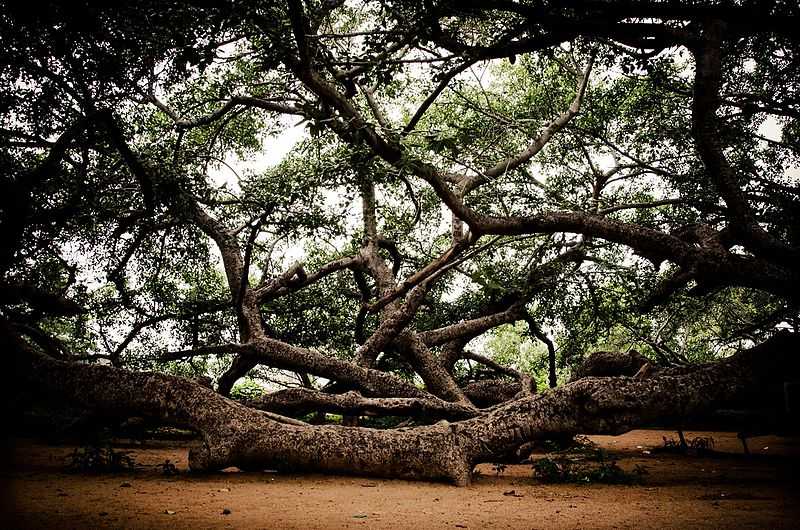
<point>607,473</point>
<point>99,459</point>
<point>564,470</point>
<point>697,446</point>
<point>168,468</point>
<point>552,469</point>
<point>702,444</point>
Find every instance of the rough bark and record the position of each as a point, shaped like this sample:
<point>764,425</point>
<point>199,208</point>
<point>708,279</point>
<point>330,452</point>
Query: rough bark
<point>299,401</point>
<point>285,356</point>
<point>491,391</point>
<point>236,435</point>
<point>601,405</point>
<point>239,368</point>
<point>610,364</point>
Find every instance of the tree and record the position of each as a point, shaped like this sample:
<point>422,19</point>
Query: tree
<point>611,174</point>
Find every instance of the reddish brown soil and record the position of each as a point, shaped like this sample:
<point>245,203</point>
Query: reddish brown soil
<point>722,491</point>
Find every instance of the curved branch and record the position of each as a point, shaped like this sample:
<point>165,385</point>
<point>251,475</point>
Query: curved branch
<point>277,354</point>
<point>556,125</point>
<point>230,105</point>
<point>295,278</point>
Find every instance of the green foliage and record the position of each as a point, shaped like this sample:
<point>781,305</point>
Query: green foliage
<point>511,345</point>
<point>246,390</point>
<point>598,469</point>
<point>581,461</point>
<point>152,280</point>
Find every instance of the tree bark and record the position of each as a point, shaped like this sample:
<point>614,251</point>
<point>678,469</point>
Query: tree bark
<point>609,364</point>
<point>237,435</point>
<point>299,401</point>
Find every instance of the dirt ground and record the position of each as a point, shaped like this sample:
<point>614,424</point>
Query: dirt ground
<point>728,490</point>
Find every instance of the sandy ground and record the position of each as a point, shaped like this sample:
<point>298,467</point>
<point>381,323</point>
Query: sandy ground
<point>725,491</point>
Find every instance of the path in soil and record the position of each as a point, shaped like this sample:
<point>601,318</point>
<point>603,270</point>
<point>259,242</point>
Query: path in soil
<point>721,491</point>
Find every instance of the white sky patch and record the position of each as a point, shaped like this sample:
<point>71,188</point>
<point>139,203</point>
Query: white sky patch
<point>771,129</point>
<point>274,149</point>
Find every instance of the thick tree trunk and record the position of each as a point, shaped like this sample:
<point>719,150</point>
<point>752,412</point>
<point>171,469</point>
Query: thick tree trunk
<point>236,435</point>
<point>608,364</point>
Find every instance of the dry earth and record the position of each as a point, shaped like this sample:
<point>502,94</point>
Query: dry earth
<point>722,491</point>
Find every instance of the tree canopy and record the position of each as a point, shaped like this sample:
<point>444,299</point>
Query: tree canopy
<point>402,209</point>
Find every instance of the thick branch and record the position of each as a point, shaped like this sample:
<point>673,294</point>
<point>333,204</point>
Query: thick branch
<point>299,401</point>
<point>277,354</point>
<point>706,132</point>
<point>44,301</point>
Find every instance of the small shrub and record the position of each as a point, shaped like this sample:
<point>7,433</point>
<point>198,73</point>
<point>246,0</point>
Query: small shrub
<point>561,469</point>
<point>99,459</point>
<point>697,446</point>
<point>607,473</point>
<point>553,470</point>
<point>168,468</point>
<point>702,444</point>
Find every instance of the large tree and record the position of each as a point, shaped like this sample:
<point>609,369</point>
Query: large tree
<point>563,176</point>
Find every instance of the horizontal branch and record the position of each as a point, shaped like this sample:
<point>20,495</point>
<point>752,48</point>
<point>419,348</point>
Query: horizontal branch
<point>41,300</point>
<point>470,328</point>
<point>277,354</point>
<point>299,401</point>
<point>231,104</point>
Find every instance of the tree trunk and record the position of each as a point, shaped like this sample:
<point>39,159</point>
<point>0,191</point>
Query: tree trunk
<point>236,435</point>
